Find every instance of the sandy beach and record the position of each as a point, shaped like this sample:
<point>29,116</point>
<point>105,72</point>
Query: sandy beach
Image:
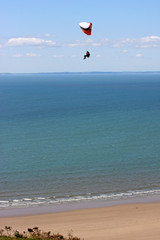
<point>128,222</point>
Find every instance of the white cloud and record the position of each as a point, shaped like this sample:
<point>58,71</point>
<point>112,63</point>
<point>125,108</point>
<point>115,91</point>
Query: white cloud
<point>96,44</point>
<point>0,46</point>
<point>77,43</point>
<point>73,56</point>
<point>49,35</point>
<point>120,43</point>
<point>18,55</point>
<point>73,44</point>
<point>116,45</point>
<point>29,42</point>
<point>26,55</point>
<point>58,56</point>
<point>80,43</point>
<point>125,51</point>
<point>150,39</point>
<point>145,42</point>
<point>32,55</point>
<point>139,55</point>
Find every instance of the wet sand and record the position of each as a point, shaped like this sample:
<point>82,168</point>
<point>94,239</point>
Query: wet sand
<point>128,222</point>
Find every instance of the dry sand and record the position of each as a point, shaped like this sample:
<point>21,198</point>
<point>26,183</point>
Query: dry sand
<point>139,221</point>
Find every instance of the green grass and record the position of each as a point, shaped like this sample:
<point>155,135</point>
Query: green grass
<point>32,234</point>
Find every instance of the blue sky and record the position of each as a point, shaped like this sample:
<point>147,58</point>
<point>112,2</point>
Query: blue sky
<point>44,35</point>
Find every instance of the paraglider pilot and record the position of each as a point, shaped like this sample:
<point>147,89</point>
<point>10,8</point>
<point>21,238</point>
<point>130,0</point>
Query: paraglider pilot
<point>87,55</point>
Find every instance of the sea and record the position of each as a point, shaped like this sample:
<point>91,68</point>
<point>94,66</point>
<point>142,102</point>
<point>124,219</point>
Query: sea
<point>68,138</point>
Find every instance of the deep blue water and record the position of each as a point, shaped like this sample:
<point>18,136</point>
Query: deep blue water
<point>73,137</point>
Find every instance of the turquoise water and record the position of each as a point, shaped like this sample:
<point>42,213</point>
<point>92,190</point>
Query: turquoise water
<point>78,137</point>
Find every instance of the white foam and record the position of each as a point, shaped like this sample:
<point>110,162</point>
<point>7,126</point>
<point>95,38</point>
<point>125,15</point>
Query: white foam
<point>78,198</point>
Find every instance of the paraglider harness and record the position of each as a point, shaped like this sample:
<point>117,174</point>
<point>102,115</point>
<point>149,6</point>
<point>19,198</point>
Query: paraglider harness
<point>87,55</point>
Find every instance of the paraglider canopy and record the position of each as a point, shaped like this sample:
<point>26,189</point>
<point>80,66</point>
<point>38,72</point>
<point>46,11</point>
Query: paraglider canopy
<point>86,27</point>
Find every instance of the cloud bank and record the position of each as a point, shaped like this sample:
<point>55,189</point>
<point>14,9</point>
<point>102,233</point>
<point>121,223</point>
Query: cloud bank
<point>26,55</point>
<point>21,41</point>
<point>139,55</point>
<point>144,42</point>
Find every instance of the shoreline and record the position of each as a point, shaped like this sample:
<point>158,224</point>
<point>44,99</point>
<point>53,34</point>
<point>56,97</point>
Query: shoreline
<point>66,207</point>
<point>140,220</point>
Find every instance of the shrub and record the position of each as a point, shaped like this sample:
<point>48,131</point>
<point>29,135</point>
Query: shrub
<point>32,234</point>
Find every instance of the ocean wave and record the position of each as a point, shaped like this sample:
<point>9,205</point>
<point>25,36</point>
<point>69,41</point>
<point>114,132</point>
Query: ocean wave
<point>37,201</point>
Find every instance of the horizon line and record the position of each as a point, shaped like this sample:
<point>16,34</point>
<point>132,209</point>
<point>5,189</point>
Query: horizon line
<point>10,73</point>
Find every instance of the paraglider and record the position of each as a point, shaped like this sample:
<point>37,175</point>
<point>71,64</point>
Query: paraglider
<point>87,55</point>
<point>87,29</point>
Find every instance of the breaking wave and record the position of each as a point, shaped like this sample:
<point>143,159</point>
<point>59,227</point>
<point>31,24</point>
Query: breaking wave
<point>45,201</point>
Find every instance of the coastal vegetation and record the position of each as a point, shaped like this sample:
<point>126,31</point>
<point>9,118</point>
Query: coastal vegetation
<point>32,234</point>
